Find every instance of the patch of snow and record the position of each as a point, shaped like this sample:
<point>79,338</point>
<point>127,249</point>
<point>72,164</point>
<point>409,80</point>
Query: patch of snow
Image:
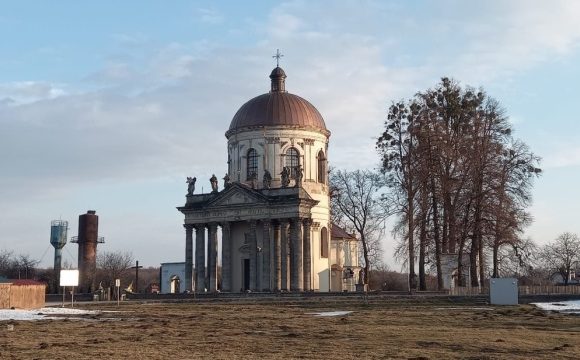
<point>561,306</point>
<point>41,314</point>
<point>330,313</point>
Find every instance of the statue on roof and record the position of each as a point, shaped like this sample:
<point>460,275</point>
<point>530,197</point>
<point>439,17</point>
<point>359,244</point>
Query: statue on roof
<point>299,175</point>
<point>267,180</point>
<point>285,177</point>
<point>253,178</point>
<point>190,185</point>
<point>214,183</point>
<point>226,180</point>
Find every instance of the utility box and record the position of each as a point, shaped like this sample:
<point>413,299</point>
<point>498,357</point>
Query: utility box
<point>503,291</point>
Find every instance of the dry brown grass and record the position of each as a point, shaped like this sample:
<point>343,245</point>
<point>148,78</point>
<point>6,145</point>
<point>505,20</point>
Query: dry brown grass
<point>387,329</point>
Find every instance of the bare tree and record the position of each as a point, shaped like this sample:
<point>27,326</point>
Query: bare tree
<point>517,260</point>
<point>456,178</point>
<point>17,267</point>
<point>5,262</point>
<point>26,266</point>
<point>112,265</point>
<point>397,148</point>
<point>562,255</point>
<point>355,201</point>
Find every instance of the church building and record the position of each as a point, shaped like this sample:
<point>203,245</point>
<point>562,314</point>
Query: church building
<point>272,208</point>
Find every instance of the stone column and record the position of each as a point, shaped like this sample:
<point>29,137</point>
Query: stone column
<point>284,258</point>
<point>188,256</point>
<point>226,258</point>
<point>266,256</point>
<point>296,265</point>
<point>307,255</point>
<point>212,251</point>
<point>253,257</point>
<point>277,281</point>
<point>200,258</point>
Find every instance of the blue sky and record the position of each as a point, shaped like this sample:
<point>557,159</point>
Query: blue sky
<point>111,105</point>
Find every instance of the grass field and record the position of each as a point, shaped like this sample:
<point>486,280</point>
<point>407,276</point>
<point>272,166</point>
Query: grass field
<point>379,330</point>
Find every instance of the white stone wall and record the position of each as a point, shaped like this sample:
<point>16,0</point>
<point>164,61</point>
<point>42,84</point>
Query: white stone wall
<point>345,254</point>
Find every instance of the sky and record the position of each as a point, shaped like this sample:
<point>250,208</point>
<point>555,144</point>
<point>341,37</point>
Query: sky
<point>110,105</point>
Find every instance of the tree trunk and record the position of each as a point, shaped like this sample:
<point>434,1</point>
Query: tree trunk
<point>436,235</point>
<point>366,257</point>
<point>495,261</point>
<point>411,230</point>
<point>422,248</point>
<point>462,243</point>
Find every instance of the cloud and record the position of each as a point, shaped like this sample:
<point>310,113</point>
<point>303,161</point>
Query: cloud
<point>503,39</point>
<point>209,16</point>
<point>565,156</point>
<point>20,92</point>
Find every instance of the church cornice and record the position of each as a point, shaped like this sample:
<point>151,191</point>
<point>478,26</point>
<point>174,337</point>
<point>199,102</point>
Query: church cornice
<point>236,131</point>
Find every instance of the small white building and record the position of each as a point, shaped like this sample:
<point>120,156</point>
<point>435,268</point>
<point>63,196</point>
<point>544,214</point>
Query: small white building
<point>172,278</point>
<point>344,260</point>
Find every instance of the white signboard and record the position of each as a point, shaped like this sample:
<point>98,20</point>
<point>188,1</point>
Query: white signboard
<point>118,282</point>
<point>69,278</point>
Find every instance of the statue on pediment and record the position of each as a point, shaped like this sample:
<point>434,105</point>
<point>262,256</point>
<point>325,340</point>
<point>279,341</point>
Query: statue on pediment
<point>226,180</point>
<point>267,180</point>
<point>214,183</point>
<point>190,185</point>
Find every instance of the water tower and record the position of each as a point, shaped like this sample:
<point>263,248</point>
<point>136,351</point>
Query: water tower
<point>88,238</point>
<point>58,234</point>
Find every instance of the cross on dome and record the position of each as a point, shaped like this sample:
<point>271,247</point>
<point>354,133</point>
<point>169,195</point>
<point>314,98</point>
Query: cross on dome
<point>278,55</point>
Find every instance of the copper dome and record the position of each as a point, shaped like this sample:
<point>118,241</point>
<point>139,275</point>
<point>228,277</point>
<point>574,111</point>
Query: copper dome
<point>277,108</point>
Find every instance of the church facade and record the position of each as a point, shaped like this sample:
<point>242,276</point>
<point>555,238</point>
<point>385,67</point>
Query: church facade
<point>273,206</point>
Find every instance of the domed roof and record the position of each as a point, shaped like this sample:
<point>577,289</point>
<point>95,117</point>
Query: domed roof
<point>277,108</point>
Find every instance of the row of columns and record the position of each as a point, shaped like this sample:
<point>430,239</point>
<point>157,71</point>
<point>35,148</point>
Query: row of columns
<point>285,262</point>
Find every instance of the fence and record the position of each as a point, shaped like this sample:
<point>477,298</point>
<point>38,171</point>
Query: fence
<point>523,290</point>
<point>21,296</point>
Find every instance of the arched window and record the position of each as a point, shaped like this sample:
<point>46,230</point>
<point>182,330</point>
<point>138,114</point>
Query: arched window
<point>324,243</point>
<point>321,167</point>
<point>252,162</point>
<point>292,161</point>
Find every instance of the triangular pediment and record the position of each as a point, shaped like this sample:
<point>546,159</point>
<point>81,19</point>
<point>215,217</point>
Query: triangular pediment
<point>237,194</point>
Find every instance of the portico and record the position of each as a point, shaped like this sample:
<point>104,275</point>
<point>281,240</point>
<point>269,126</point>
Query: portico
<point>274,253</point>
